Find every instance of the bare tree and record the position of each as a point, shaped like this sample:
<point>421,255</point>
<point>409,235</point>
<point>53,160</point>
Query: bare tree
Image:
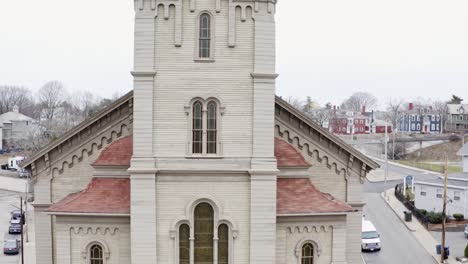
<point>50,98</point>
<point>358,100</point>
<point>394,111</point>
<point>15,95</point>
<point>296,103</point>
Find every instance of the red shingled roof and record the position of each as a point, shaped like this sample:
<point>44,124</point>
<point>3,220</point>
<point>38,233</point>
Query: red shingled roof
<point>299,196</point>
<point>118,153</point>
<point>103,195</point>
<point>287,156</point>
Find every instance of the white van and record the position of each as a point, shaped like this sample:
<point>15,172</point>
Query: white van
<point>370,239</point>
<point>14,162</point>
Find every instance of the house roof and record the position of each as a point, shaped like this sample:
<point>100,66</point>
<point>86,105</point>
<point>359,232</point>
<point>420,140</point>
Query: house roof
<point>287,156</point>
<point>453,109</point>
<point>459,180</point>
<point>112,196</point>
<point>101,196</point>
<point>463,150</point>
<point>296,196</point>
<point>120,151</point>
<point>8,117</point>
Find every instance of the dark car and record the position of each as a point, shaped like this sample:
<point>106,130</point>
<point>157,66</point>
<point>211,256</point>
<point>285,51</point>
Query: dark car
<point>11,247</point>
<point>14,229</point>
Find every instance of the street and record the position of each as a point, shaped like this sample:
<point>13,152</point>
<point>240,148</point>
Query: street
<point>8,201</point>
<point>398,244</point>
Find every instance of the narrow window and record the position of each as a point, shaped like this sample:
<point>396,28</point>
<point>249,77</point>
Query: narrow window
<point>184,244</point>
<point>95,255</point>
<point>307,254</point>
<point>204,36</point>
<point>197,128</point>
<point>204,225</point>
<point>211,128</point>
<point>223,244</point>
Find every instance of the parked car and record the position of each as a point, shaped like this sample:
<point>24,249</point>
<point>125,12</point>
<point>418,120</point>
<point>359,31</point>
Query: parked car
<point>22,173</point>
<point>11,247</point>
<point>14,229</point>
<point>370,238</point>
<point>466,231</point>
<point>16,217</point>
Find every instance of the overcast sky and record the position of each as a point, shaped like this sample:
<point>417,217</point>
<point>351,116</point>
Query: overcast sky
<point>326,49</point>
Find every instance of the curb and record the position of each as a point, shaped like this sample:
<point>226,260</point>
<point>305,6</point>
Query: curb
<point>404,166</point>
<point>396,213</point>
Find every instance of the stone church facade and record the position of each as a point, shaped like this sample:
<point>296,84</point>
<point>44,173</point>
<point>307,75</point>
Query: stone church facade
<point>200,163</point>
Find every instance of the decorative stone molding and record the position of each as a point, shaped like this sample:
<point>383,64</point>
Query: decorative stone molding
<point>302,242</point>
<point>105,248</point>
<point>111,231</point>
<point>300,229</point>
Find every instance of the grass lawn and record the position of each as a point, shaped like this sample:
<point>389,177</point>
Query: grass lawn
<point>430,166</point>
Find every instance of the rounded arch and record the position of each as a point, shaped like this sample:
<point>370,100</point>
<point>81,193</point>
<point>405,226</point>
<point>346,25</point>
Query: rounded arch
<point>90,243</point>
<point>307,240</point>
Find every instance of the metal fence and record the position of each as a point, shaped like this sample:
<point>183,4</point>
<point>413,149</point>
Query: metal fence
<point>410,205</point>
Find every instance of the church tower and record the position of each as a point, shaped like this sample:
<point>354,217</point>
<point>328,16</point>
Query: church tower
<point>203,131</point>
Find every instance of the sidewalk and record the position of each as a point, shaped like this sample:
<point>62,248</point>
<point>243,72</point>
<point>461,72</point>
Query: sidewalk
<point>29,238</point>
<point>418,230</point>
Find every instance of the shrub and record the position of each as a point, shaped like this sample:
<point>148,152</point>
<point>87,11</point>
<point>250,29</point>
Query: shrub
<point>459,217</point>
<point>423,211</point>
<point>466,251</point>
<point>434,218</point>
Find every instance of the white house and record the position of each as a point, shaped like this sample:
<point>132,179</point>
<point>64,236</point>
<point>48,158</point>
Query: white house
<point>15,127</point>
<point>429,194</point>
<point>201,163</point>
<point>463,152</point>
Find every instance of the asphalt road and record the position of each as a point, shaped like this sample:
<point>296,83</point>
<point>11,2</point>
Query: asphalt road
<point>8,201</point>
<point>398,244</point>
<point>456,241</point>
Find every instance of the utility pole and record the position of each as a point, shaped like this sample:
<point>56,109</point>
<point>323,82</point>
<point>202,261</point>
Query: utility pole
<point>21,224</point>
<point>393,144</point>
<point>442,255</point>
<point>386,158</point>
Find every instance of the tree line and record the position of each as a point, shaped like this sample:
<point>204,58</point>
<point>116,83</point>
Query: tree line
<point>55,109</point>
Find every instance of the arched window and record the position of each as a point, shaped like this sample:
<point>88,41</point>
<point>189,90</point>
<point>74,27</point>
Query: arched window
<point>204,229</point>
<point>197,128</point>
<point>211,128</point>
<point>95,255</point>
<point>307,256</point>
<point>223,244</point>
<point>184,244</point>
<point>204,36</point>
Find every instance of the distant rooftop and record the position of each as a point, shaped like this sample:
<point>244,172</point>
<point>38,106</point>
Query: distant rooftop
<point>454,179</point>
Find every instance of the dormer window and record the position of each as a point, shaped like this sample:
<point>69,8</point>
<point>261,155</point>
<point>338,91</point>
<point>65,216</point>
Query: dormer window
<point>204,36</point>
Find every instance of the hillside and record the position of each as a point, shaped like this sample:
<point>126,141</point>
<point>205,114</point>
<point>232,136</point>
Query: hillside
<point>437,152</point>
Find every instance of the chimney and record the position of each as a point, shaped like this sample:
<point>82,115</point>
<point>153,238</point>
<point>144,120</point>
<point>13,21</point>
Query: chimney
<point>363,109</point>
<point>410,106</point>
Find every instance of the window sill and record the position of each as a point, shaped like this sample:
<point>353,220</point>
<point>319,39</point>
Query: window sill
<point>196,156</point>
<point>204,60</point>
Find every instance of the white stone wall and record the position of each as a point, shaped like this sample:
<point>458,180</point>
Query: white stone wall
<point>176,195</point>
<point>327,233</point>
<point>75,233</point>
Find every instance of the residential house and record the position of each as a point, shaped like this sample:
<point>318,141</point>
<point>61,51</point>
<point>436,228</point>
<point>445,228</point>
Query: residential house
<point>349,122</point>
<point>420,119</point>
<point>457,117</point>
<point>16,127</point>
<point>429,192</point>
<point>201,163</point>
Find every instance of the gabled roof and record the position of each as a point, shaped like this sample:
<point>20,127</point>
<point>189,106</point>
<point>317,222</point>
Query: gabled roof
<point>14,116</point>
<point>74,131</point>
<point>102,196</point>
<point>453,109</point>
<point>463,151</point>
<point>300,197</point>
<point>356,153</point>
